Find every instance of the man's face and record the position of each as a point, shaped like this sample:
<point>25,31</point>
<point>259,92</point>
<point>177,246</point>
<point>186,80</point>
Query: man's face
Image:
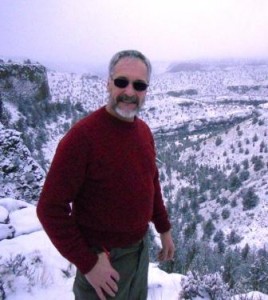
<point>125,103</point>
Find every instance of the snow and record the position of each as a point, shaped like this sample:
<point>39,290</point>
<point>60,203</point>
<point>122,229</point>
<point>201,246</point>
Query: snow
<point>3,215</point>
<point>12,204</point>
<point>48,268</point>
<point>252,296</point>
<point>49,282</point>
<point>6,231</point>
<point>25,221</point>
<point>163,285</point>
<point>59,291</point>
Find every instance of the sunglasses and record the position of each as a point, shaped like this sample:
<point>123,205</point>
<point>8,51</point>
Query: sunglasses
<point>124,82</point>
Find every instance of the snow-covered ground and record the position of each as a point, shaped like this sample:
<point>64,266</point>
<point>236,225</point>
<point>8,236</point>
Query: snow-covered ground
<point>42,273</point>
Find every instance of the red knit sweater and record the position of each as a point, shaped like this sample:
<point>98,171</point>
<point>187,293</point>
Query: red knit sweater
<point>102,188</point>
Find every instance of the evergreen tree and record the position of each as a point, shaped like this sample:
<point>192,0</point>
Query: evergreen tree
<point>225,213</point>
<point>233,238</point>
<point>219,236</point>
<point>250,199</point>
<point>215,287</point>
<point>234,182</point>
<point>255,138</point>
<point>208,229</point>
<point>218,141</point>
<point>258,275</point>
<point>231,262</point>
<point>245,252</point>
<point>258,163</point>
<point>244,175</point>
<point>190,229</point>
<point>190,286</point>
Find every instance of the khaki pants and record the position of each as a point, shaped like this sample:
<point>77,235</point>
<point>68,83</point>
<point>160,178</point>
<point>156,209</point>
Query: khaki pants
<point>132,265</point>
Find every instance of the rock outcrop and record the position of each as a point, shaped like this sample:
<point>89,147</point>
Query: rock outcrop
<point>20,175</point>
<point>19,82</point>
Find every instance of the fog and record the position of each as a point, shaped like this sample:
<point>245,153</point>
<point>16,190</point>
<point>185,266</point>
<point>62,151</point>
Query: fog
<point>91,31</point>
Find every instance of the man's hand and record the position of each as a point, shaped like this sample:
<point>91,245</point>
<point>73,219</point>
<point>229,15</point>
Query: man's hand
<point>103,277</point>
<point>168,248</point>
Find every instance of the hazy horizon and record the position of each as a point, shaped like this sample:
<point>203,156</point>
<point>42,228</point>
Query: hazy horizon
<point>89,32</point>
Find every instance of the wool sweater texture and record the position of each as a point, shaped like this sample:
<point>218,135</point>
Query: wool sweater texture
<point>102,188</point>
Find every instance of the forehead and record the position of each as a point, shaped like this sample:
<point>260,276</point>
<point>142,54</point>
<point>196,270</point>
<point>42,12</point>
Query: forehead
<point>132,68</point>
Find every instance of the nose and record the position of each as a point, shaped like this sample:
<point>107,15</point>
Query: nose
<point>129,90</point>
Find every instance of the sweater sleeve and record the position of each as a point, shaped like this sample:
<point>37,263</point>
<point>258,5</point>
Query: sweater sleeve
<point>63,182</point>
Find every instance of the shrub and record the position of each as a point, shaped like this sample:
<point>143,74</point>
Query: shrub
<point>250,199</point>
<point>258,163</point>
<point>190,286</point>
<point>233,238</point>
<point>210,286</point>
<point>244,175</point>
<point>218,141</point>
<point>208,228</point>
<point>245,164</point>
<point>218,237</point>
<point>223,201</point>
<point>234,182</point>
<point>225,213</point>
<point>215,287</point>
<point>255,138</point>
<point>233,203</point>
<point>28,269</point>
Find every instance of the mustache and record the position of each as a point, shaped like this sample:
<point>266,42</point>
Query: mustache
<point>128,99</point>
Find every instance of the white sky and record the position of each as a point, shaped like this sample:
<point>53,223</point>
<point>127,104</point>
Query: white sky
<point>93,30</point>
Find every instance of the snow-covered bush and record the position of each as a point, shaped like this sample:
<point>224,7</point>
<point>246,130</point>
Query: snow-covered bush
<point>209,286</point>
<point>20,270</point>
<point>190,286</point>
<point>214,286</point>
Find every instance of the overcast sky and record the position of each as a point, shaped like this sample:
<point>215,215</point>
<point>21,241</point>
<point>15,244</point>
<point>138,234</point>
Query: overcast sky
<point>92,31</point>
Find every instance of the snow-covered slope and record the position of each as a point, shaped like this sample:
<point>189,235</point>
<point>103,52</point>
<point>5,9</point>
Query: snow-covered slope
<point>210,127</point>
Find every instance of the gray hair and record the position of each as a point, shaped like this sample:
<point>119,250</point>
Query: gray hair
<point>132,54</point>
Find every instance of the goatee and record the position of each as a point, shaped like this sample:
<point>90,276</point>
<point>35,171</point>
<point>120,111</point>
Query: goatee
<point>129,100</point>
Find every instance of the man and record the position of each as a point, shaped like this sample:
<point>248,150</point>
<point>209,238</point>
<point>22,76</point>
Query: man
<point>102,190</point>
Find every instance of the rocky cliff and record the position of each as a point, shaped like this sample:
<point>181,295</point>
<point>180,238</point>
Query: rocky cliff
<point>19,82</point>
<point>20,175</point>
<point>24,92</point>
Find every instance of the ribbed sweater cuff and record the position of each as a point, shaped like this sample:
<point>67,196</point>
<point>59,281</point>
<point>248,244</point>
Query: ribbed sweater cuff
<point>86,264</point>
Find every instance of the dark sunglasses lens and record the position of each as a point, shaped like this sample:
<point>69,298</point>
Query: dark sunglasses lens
<point>139,85</point>
<point>121,82</point>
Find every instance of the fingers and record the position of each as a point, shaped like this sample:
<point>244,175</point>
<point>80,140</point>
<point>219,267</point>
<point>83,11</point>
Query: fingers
<point>109,288</point>
<point>166,254</point>
<point>112,285</point>
<point>100,293</point>
<point>103,278</point>
<point>171,253</point>
<point>168,247</point>
<point>115,275</point>
<point>161,255</point>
